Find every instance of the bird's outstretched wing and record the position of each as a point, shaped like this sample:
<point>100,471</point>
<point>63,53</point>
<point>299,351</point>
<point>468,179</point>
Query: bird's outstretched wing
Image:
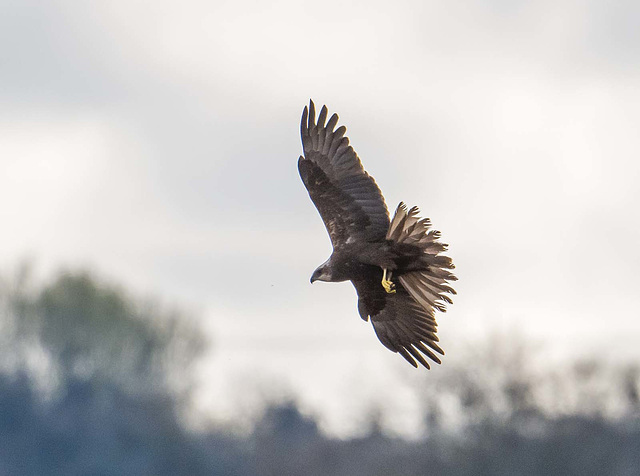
<point>348,199</point>
<point>401,324</point>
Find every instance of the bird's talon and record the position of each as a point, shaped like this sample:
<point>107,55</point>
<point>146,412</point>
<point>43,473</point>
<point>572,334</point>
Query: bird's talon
<point>388,286</point>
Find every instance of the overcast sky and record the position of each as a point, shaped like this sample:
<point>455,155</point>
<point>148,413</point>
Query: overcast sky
<point>156,143</point>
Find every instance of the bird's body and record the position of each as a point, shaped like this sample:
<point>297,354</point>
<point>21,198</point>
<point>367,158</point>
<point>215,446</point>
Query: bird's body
<point>355,260</point>
<point>395,266</point>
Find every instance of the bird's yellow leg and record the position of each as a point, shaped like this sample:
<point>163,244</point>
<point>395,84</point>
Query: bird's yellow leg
<point>388,286</point>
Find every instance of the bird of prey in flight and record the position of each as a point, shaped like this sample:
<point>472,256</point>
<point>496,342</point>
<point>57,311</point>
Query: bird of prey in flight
<point>396,265</point>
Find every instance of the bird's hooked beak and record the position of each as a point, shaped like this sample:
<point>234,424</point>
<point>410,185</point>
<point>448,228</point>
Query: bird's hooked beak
<point>322,273</point>
<point>318,275</point>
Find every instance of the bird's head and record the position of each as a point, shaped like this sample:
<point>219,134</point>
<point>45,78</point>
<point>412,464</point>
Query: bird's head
<point>322,273</point>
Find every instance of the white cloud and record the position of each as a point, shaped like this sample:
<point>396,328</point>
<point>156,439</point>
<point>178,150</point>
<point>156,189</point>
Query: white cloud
<point>47,163</point>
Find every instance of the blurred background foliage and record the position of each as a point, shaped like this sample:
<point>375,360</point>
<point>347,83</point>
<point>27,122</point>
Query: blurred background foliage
<point>95,382</point>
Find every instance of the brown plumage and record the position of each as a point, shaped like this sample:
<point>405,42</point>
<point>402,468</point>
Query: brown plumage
<point>365,242</point>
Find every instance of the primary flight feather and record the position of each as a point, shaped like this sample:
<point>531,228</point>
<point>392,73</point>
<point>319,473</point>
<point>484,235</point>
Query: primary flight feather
<point>396,266</point>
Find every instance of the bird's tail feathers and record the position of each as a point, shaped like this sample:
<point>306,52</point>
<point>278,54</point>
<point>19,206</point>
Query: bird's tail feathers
<point>427,286</point>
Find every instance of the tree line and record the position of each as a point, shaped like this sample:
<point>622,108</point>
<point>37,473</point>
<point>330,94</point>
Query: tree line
<point>93,380</point>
